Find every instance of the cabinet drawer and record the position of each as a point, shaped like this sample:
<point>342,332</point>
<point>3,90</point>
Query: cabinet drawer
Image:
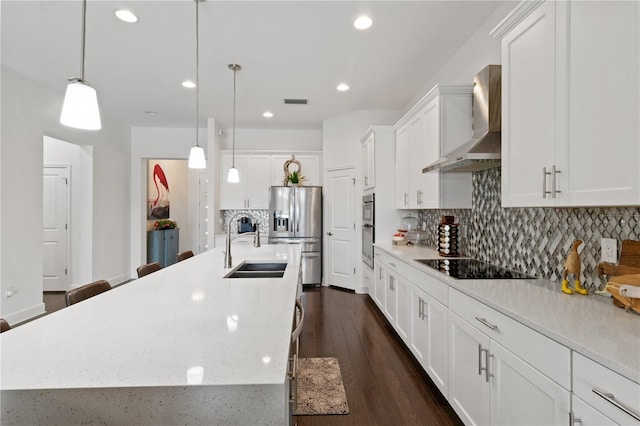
<point>398,267</point>
<point>621,396</point>
<point>430,285</point>
<point>546,355</point>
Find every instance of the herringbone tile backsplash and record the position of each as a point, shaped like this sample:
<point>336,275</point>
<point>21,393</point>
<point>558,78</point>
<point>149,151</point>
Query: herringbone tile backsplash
<point>535,240</point>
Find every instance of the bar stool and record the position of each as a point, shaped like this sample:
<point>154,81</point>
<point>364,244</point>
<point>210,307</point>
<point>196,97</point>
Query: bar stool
<point>148,269</point>
<point>86,291</point>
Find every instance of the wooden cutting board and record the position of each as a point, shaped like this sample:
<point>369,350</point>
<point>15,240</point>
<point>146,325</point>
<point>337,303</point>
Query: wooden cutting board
<point>626,272</point>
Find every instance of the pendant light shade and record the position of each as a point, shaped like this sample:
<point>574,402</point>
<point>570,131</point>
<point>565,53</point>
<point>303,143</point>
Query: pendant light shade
<point>234,176</point>
<point>196,155</point>
<point>80,108</point>
<point>196,158</point>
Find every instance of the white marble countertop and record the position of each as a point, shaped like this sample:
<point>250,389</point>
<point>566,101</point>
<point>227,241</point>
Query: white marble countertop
<point>183,325</point>
<point>587,324</point>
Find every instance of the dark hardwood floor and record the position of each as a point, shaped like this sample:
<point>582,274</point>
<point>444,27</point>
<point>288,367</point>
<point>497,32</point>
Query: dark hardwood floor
<point>383,381</point>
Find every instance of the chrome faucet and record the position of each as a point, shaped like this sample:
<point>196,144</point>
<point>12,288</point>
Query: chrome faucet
<point>256,238</point>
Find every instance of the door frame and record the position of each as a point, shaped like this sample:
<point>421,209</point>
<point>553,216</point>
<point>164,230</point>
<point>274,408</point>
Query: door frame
<point>67,230</point>
<point>326,216</point>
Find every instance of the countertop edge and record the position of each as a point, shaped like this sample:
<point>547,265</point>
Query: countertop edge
<point>408,255</point>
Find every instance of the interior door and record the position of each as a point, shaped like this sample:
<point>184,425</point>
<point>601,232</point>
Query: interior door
<point>340,230</point>
<point>55,232</point>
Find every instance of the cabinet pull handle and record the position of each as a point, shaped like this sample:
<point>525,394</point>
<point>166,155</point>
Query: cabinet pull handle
<point>480,368</point>
<point>554,172</point>
<point>420,308</point>
<point>405,198</point>
<point>612,400</point>
<point>419,196</point>
<point>544,182</point>
<point>573,419</point>
<point>487,323</point>
<point>392,264</point>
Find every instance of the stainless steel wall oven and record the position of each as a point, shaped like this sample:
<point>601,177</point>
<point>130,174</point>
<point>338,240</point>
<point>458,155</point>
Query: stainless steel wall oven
<point>368,228</point>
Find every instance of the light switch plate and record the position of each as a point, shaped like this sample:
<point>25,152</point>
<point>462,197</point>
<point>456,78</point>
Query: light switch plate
<point>609,247</point>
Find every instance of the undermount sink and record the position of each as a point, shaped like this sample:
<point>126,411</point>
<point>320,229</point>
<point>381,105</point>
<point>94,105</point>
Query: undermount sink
<point>258,270</point>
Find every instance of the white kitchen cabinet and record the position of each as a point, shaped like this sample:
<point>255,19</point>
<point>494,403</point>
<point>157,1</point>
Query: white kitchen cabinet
<point>380,280</point>
<point>402,168</point>
<point>437,124</point>
<point>390,297</point>
<point>429,337</point>
<point>368,162</point>
<point>490,384</point>
<point>571,100</point>
<point>252,192</point>
<point>608,393</point>
<point>378,149</point>
<point>310,166</point>
<point>585,415</point>
<point>403,292</point>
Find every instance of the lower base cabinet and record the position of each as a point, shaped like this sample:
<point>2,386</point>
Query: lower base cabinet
<point>428,337</point>
<point>491,385</point>
<point>492,369</point>
<point>585,415</point>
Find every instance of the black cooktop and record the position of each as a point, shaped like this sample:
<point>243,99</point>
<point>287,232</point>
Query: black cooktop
<point>471,269</point>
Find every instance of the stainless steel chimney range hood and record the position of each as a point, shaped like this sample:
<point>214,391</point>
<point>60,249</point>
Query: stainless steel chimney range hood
<point>483,150</point>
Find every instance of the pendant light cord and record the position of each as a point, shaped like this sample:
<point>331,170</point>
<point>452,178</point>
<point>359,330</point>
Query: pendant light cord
<point>233,155</point>
<point>84,23</point>
<point>197,74</point>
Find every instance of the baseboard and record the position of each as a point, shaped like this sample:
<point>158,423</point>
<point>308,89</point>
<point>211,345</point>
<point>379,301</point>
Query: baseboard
<point>362,290</point>
<point>25,315</point>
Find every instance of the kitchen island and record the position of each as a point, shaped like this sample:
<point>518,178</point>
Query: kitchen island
<point>180,346</point>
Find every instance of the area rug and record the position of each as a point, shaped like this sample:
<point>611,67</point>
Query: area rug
<point>320,389</point>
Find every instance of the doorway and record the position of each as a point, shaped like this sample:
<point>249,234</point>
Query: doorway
<point>55,227</point>
<point>79,162</point>
<point>340,227</point>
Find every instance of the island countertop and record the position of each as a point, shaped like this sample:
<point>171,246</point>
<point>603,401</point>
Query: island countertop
<point>183,327</point>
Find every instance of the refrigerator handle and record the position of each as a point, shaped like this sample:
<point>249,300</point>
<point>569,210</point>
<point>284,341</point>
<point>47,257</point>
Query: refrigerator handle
<point>292,216</point>
<point>297,216</point>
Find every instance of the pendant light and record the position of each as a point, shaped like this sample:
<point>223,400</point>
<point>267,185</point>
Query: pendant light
<point>234,176</point>
<point>80,108</point>
<point>196,155</point>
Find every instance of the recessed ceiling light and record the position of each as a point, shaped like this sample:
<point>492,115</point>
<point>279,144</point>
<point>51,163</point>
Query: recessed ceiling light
<point>151,113</point>
<point>267,114</point>
<point>362,23</point>
<point>188,84</point>
<point>126,16</point>
<point>343,87</point>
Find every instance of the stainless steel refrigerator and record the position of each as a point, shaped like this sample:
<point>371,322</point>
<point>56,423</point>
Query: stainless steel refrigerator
<point>295,217</point>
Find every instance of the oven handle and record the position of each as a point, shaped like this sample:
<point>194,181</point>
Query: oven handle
<point>366,225</point>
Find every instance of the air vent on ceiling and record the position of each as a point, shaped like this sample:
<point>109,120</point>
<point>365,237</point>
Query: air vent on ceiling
<point>296,101</point>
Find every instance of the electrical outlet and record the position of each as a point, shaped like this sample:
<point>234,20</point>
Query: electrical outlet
<point>609,247</point>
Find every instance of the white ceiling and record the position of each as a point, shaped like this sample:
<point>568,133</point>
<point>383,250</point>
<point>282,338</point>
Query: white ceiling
<point>288,49</point>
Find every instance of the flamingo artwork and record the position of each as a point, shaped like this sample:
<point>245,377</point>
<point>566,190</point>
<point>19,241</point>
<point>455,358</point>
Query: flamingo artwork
<point>159,207</point>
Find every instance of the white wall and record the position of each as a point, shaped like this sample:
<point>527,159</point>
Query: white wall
<point>476,53</point>
<point>30,110</point>
<point>274,139</point>
<point>80,160</point>
<point>169,143</point>
<point>341,146</point>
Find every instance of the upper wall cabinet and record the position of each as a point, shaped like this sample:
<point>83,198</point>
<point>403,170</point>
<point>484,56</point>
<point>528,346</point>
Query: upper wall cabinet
<point>369,162</point>
<point>571,104</point>
<point>252,192</point>
<point>436,125</point>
